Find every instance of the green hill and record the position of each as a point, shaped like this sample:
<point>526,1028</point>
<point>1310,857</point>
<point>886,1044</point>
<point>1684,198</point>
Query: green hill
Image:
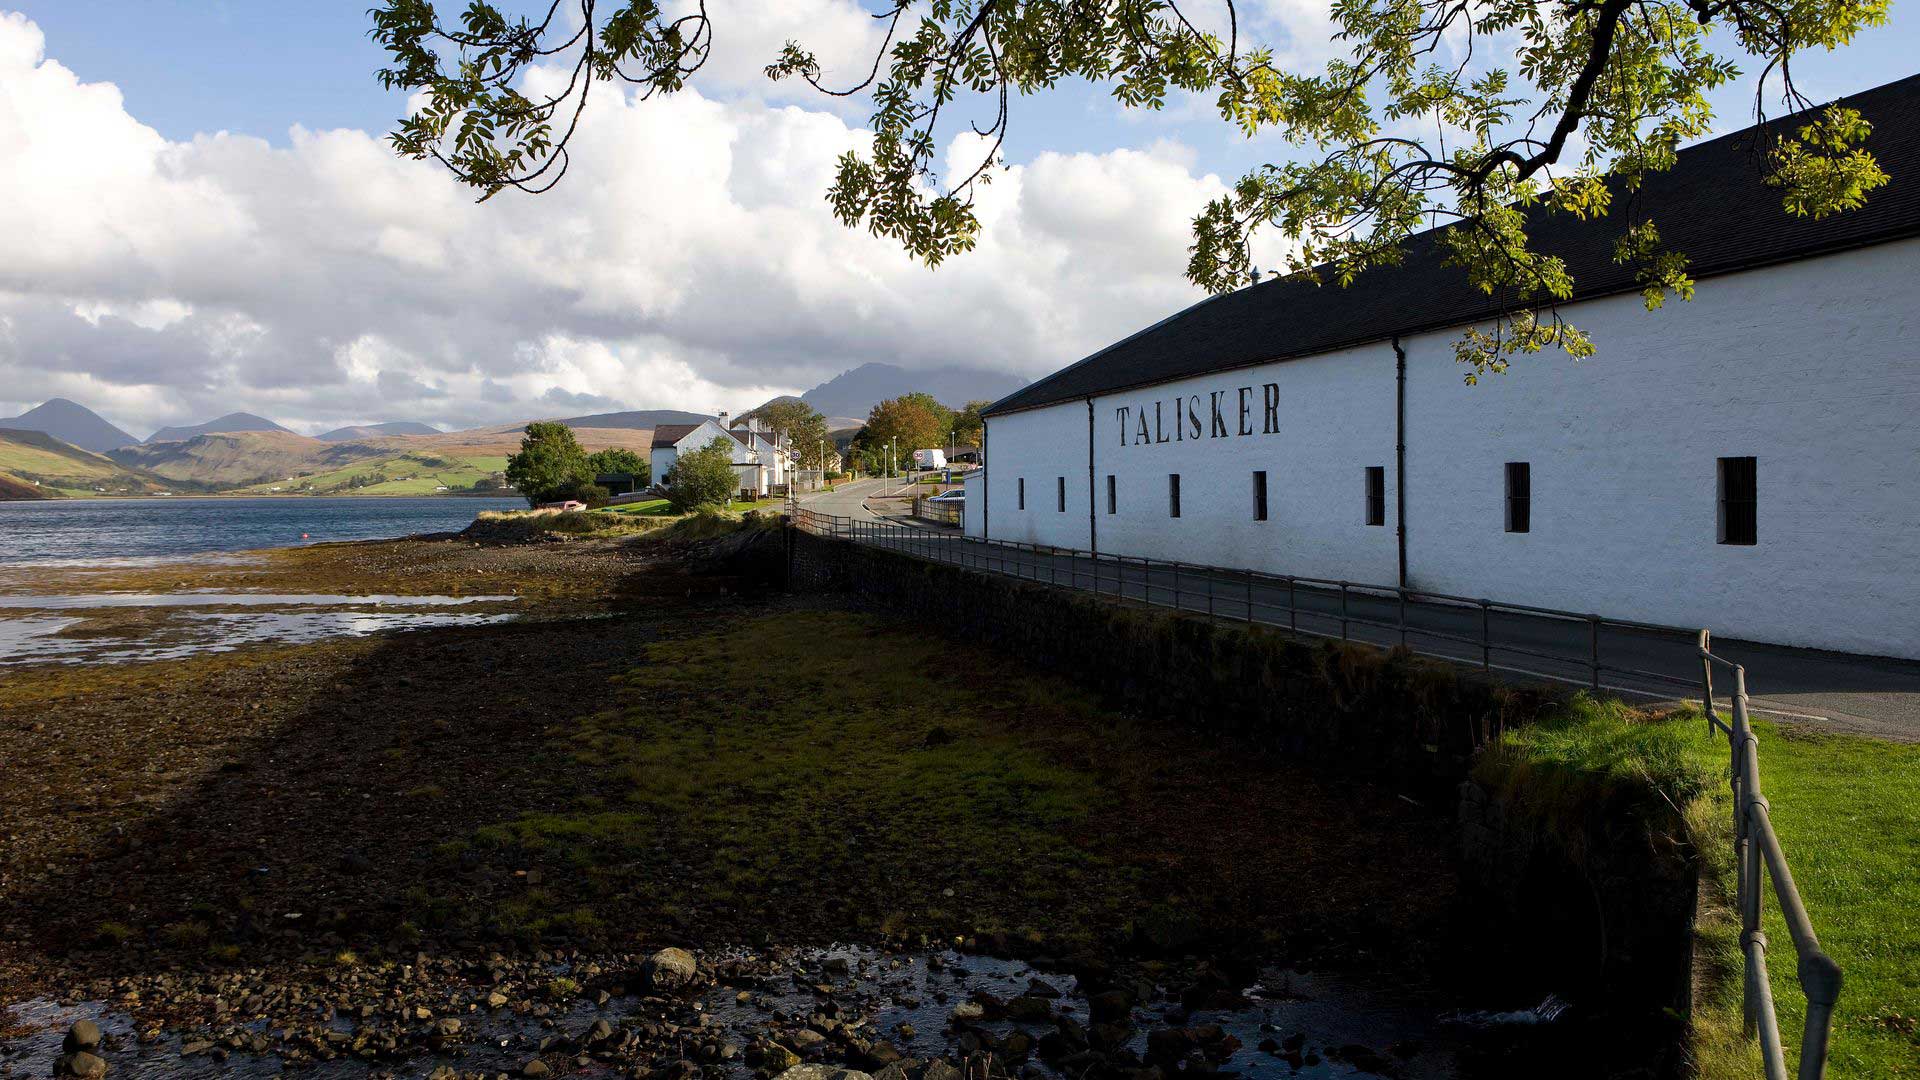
<point>34,464</point>
<point>413,473</point>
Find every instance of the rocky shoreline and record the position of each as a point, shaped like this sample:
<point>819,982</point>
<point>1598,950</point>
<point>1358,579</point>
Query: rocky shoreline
<point>461,852</point>
<point>840,1013</point>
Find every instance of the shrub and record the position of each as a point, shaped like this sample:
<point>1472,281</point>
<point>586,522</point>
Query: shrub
<point>704,477</point>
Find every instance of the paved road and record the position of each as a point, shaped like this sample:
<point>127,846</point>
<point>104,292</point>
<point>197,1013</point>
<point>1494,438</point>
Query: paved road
<point>850,500</point>
<point>1836,691</point>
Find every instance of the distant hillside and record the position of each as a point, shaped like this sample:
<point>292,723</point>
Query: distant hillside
<point>282,462</point>
<point>855,393</point>
<point>232,422</point>
<point>374,431</point>
<point>36,465</point>
<point>642,418</point>
<point>71,423</point>
<point>240,458</point>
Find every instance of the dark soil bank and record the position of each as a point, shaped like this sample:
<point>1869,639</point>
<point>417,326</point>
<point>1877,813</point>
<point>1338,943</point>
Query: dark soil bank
<point>463,848</point>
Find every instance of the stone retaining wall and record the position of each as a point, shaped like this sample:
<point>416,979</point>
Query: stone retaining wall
<point>1367,711</point>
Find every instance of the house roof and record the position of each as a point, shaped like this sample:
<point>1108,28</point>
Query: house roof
<point>669,434</point>
<point>1713,205</point>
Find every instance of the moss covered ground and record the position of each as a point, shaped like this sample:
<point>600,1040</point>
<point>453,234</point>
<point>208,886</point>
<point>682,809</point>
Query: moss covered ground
<point>821,773</point>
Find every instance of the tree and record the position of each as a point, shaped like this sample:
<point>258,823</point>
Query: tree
<point>618,460</point>
<point>550,465</point>
<point>967,425</point>
<point>910,422</point>
<point>704,477</point>
<point>1418,121</point>
<point>801,423</point>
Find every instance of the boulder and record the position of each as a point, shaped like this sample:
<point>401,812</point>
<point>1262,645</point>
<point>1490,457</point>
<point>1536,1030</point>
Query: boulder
<point>79,1063</point>
<point>822,1072</point>
<point>83,1035</point>
<point>670,969</point>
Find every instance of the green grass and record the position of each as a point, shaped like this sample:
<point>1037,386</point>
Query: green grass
<point>661,508</point>
<point>1847,811</point>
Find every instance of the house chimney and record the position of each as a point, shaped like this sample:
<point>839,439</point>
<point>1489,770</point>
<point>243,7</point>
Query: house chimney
<point>723,422</point>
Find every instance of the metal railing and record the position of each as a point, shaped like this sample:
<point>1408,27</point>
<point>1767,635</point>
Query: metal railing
<point>1564,646</point>
<point>927,510</point>
<point>1757,854</point>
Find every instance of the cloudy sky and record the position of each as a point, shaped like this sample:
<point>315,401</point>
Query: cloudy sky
<point>199,213</point>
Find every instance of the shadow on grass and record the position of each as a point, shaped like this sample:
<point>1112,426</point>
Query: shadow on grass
<point>704,771</point>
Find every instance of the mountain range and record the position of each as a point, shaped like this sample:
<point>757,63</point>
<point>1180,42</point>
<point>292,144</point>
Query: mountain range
<point>854,393</point>
<point>63,448</point>
<point>374,431</point>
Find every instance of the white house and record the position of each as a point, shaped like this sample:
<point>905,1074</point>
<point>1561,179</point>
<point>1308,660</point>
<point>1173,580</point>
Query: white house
<point>769,449</point>
<point>760,456</point>
<point>1748,461</point>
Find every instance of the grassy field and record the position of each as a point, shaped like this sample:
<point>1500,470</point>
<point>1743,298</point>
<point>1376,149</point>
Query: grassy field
<point>1847,811</point>
<point>409,474</point>
<point>660,507</point>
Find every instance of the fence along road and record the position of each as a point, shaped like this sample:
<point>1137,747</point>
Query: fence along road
<point>1583,649</point>
<point>1857,694</point>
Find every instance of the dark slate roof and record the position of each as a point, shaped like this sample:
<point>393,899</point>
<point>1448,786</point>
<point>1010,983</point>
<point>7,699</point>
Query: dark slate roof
<point>1713,205</point>
<point>668,434</point>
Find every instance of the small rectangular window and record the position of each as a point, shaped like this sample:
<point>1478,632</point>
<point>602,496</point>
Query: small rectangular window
<point>1113,500</point>
<point>1062,491</point>
<point>1023,492</point>
<point>1519,497</point>
<point>1259,495</point>
<point>1376,494</point>
<point>1739,500</point>
<point>1173,494</point>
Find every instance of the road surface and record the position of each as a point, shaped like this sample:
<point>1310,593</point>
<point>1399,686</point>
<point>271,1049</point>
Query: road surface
<point>1836,691</point>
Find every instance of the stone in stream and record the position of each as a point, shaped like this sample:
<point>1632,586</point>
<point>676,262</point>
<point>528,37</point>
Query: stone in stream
<point>1029,1008</point>
<point>83,1035</point>
<point>79,1063</point>
<point>1113,1006</point>
<point>670,969</point>
<point>535,1068</point>
<point>822,1072</point>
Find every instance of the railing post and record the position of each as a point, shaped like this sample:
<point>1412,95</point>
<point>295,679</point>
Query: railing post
<point>1293,606</point>
<point>1249,598</point>
<point>1593,639</point>
<point>1209,580</point>
<point>1343,611</point>
<point>1486,635</point>
<point>1403,617</point>
<point>1706,677</point>
<point>1176,586</point>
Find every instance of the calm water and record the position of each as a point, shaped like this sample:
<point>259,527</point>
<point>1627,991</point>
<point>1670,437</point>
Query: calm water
<point>96,530</point>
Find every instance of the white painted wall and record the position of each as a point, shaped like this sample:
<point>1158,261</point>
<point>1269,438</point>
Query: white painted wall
<point>1812,367</point>
<point>973,517</point>
<point>1040,447</point>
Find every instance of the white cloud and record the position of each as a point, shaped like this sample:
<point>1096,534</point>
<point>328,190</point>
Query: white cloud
<point>689,260</point>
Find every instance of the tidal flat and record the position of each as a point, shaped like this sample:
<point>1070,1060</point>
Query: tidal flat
<point>461,849</point>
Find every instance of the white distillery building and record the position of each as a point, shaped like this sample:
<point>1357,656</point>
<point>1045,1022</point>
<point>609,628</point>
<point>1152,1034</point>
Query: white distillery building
<point>1748,461</point>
